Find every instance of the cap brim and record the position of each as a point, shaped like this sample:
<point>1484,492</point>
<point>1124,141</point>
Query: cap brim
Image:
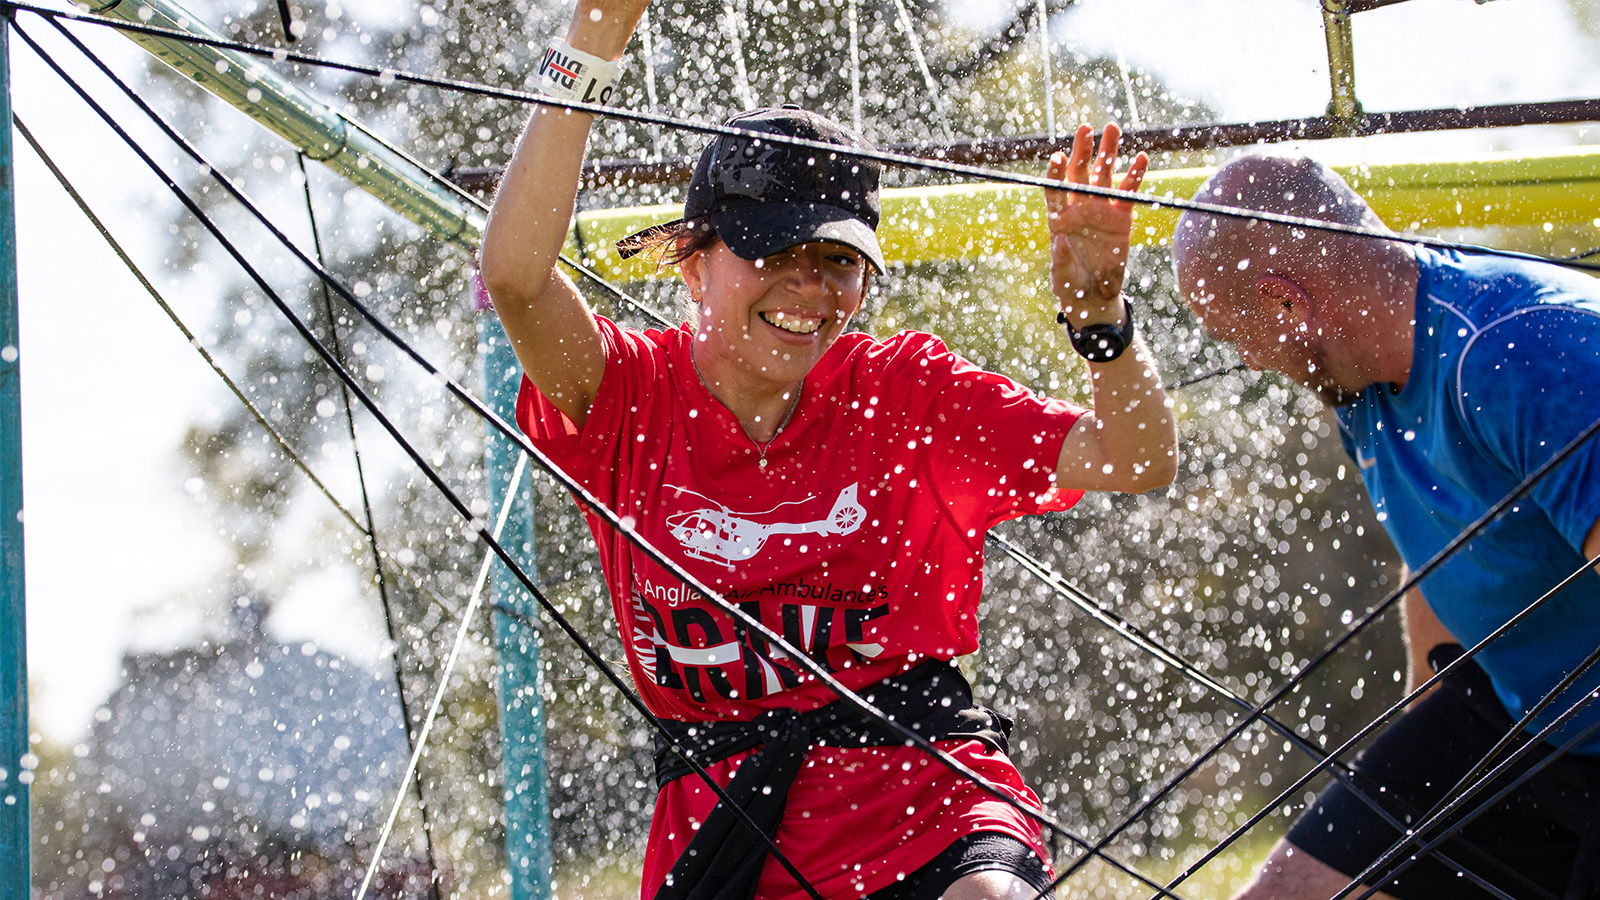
<point>758,231</point>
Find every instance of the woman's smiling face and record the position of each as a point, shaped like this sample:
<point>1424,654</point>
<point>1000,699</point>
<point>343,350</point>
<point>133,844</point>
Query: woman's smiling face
<point>773,318</point>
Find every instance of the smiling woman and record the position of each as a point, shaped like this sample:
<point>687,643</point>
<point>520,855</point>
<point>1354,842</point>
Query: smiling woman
<point>837,486</point>
<point>774,245</point>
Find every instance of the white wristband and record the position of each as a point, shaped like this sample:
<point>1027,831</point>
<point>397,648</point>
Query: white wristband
<point>570,74</point>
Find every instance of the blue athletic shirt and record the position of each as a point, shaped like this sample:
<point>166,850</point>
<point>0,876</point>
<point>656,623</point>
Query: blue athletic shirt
<point>1505,372</point>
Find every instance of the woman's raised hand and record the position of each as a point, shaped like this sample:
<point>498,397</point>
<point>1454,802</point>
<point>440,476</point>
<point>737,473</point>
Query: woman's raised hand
<point>604,27</point>
<point>1089,234</point>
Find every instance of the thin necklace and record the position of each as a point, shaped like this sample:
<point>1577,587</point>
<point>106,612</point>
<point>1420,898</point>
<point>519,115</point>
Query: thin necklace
<point>761,449</point>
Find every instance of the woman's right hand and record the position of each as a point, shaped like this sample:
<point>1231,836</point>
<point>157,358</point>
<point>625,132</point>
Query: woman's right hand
<point>604,27</point>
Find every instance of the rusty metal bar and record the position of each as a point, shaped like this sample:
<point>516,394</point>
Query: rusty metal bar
<point>1035,147</point>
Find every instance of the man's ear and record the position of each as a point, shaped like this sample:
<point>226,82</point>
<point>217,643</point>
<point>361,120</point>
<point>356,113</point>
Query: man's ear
<point>1278,295</point>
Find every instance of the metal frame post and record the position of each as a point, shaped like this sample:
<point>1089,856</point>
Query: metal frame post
<point>527,807</point>
<point>15,843</point>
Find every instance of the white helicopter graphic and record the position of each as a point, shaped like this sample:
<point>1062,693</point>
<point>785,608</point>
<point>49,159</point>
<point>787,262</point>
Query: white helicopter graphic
<point>724,536</point>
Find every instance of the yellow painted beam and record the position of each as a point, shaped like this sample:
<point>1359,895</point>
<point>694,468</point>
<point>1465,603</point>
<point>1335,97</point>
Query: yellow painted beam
<point>967,221</point>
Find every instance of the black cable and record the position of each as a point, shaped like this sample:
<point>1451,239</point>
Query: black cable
<point>194,341</point>
<point>479,527</point>
<point>826,679</point>
<point>1199,207</point>
<point>189,336</point>
<point>1360,625</point>
<point>1464,788</point>
<point>1449,809</point>
<point>393,631</point>
<point>1204,376</point>
<point>1544,703</point>
<point>615,293</point>
<point>1438,677</point>
<point>900,160</point>
<point>286,18</point>
<point>595,278</point>
<point>610,518</point>
<point>1165,655</point>
<point>1414,578</point>
<point>910,736</point>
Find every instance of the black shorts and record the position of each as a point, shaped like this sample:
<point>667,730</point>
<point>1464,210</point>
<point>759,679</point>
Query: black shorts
<point>981,852</point>
<point>1541,841</point>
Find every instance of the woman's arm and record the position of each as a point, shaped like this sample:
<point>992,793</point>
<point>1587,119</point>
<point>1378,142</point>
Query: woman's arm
<point>1128,441</point>
<point>551,329</point>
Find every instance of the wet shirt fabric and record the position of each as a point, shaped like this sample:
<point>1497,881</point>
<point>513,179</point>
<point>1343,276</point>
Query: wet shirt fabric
<point>1505,373</point>
<point>860,541</point>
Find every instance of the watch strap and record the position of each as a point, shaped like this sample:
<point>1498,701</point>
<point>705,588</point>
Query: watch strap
<point>1101,342</point>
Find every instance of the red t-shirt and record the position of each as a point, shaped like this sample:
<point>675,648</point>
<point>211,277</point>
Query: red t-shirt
<point>860,541</point>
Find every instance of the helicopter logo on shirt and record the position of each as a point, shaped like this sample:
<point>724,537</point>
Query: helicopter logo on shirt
<point>722,535</point>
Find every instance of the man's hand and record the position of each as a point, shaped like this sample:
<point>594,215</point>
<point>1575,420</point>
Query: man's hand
<point>1089,235</point>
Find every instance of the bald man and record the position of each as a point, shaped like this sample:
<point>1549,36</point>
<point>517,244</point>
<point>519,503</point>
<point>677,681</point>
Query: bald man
<point>1453,376</point>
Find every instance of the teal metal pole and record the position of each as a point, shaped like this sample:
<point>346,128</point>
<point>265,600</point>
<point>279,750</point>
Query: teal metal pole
<point>527,804</point>
<point>15,847</point>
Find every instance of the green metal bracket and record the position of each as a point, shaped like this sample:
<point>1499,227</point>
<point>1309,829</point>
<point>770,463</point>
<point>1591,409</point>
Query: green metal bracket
<point>313,127</point>
<point>1343,107</point>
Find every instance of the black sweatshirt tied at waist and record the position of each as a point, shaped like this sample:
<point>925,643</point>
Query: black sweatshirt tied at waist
<point>723,860</point>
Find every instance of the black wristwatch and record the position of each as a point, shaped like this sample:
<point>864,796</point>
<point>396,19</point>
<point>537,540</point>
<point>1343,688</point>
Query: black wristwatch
<point>1101,343</point>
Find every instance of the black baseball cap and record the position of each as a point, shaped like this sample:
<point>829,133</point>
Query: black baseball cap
<point>764,197</point>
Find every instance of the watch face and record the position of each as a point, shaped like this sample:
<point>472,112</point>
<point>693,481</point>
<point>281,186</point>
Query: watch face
<point>1101,343</point>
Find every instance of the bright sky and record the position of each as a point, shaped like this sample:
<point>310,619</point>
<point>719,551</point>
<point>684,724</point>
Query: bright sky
<point>115,542</point>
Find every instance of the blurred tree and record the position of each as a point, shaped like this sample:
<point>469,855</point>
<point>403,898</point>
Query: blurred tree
<point>1587,17</point>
